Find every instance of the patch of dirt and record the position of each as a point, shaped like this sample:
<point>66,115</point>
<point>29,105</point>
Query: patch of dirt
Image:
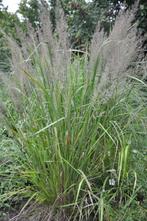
<point>33,212</point>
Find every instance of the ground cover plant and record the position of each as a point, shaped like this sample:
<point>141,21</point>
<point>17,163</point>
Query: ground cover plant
<point>77,125</point>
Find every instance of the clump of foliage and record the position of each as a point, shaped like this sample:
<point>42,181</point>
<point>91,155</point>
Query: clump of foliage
<point>76,121</point>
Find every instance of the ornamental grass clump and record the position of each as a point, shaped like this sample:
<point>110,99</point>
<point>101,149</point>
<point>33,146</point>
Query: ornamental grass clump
<point>74,120</point>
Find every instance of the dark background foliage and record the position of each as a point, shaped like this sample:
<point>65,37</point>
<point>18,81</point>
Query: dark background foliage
<point>81,16</point>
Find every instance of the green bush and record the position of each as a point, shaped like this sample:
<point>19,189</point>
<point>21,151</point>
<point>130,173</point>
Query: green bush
<point>76,124</point>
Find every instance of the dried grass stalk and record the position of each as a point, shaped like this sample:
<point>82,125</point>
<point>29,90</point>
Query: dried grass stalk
<point>110,56</point>
<point>116,51</point>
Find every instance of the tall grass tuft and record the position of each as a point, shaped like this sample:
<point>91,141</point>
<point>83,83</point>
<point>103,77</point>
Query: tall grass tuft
<point>75,119</point>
